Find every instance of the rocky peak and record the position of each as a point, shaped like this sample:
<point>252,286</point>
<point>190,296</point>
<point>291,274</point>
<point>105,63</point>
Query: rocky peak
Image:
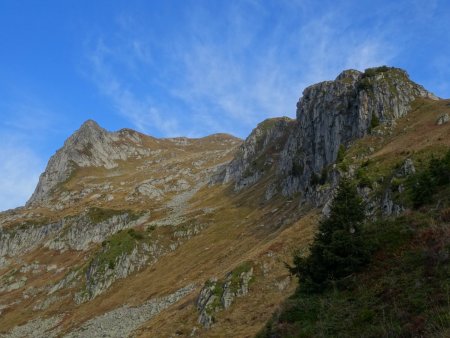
<point>89,146</point>
<point>330,114</point>
<point>349,75</point>
<point>90,125</point>
<point>88,133</point>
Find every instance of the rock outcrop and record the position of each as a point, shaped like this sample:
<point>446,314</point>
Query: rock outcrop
<point>26,238</point>
<point>75,232</point>
<point>101,274</point>
<point>89,146</point>
<point>330,115</point>
<point>218,295</point>
<point>257,154</point>
<point>443,119</point>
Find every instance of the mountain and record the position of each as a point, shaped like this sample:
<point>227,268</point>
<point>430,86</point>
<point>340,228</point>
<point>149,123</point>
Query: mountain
<point>127,234</point>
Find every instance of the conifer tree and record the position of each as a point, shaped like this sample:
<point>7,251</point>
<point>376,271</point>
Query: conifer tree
<point>338,249</point>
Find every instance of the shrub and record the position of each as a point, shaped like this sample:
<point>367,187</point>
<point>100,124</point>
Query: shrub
<point>375,122</point>
<point>370,72</point>
<point>340,154</point>
<point>363,179</point>
<point>423,189</point>
<point>297,169</point>
<point>424,184</point>
<point>135,234</point>
<point>315,179</point>
<point>323,176</point>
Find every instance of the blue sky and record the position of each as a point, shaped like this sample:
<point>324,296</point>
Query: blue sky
<point>191,68</point>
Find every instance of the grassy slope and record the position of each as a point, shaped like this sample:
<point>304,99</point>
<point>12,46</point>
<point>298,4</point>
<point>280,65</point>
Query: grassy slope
<point>127,171</point>
<point>243,227</point>
<point>405,291</point>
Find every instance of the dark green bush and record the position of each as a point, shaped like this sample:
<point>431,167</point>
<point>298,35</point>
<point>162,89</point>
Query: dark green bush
<point>340,154</point>
<point>135,234</point>
<point>370,72</point>
<point>297,169</point>
<point>363,179</point>
<point>315,179</point>
<point>375,122</point>
<point>425,183</point>
<point>323,176</point>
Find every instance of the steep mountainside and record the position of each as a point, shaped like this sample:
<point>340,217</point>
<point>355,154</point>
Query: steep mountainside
<point>330,115</point>
<point>127,234</point>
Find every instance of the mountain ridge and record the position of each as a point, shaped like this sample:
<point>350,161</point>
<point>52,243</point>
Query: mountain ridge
<point>331,114</point>
<point>122,223</point>
<point>92,145</point>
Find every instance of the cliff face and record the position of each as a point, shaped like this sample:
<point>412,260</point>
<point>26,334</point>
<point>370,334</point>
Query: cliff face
<point>257,154</point>
<point>330,115</point>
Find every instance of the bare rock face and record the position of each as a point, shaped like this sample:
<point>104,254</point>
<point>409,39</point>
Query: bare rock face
<point>89,146</point>
<point>218,295</point>
<point>257,154</point>
<point>444,118</point>
<point>330,115</point>
<point>334,113</point>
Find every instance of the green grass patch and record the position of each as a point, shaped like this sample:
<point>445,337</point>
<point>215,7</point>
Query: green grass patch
<point>123,242</point>
<point>236,275</point>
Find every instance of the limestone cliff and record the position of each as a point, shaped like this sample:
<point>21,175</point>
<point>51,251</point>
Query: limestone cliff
<point>330,115</point>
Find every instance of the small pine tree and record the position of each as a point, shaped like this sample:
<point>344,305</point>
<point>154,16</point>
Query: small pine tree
<point>338,249</point>
<point>340,154</point>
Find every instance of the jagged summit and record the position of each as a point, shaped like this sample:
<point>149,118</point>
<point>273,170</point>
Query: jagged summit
<point>351,74</point>
<point>91,124</point>
<point>330,114</point>
<point>88,131</point>
<point>89,146</point>
<point>93,146</point>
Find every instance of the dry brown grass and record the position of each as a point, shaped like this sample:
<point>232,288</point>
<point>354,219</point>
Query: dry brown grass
<point>243,227</point>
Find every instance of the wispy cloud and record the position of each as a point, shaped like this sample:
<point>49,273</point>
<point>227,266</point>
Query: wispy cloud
<point>141,112</point>
<point>228,73</point>
<point>28,118</point>
<point>247,73</point>
<point>25,127</point>
<point>20,169</point>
